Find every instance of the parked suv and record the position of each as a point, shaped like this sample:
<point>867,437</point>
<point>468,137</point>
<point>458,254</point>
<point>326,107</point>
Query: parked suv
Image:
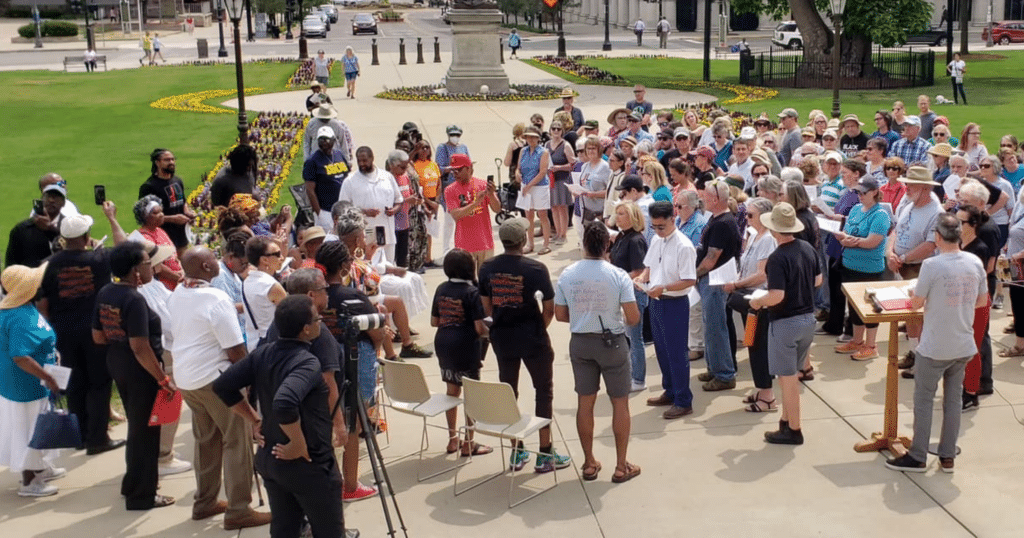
<point>1005,32</point>
<point>788,35</point>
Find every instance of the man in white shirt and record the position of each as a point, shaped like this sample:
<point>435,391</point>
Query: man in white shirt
<point>671,270</point>
<point>663,29</point>
<point>207,341</point>
<point>377,194</point>
<point>638,29</point>
<point>742,166</point>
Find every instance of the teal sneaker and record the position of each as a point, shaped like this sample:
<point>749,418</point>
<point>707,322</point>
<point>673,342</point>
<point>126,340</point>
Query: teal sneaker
<point>518,459</point>
<point>547,463</point>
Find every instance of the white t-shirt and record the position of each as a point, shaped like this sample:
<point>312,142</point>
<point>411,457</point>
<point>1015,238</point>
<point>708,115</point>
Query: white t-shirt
<point>377,190</point>
<point>156,295</point>
<point>757,249</point>
<point>206,324</point>
<point>594,291</point>
<point>743,170</point>
<point>256,289</point>
<point>956,70</point>
<point>671,259</point>
<point>950,284</point>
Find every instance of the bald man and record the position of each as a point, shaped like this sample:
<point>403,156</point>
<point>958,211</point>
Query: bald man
<point>207,340</point>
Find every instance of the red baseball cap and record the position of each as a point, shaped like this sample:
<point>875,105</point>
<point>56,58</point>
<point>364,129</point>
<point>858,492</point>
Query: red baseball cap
<point>460,161</point>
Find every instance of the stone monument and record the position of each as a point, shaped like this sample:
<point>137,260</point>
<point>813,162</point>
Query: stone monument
<point>476,58</point>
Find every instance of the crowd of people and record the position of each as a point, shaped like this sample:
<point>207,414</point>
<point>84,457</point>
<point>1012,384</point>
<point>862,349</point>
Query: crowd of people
<point>680,224</point>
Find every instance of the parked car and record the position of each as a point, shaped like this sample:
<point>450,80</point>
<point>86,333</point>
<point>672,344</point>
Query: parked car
<point>933,37</point>
<point>1005,32</point>
<point>331,11</point>
<point>364,23</point>
<point>355,3</point>
<point>787,35</point>
<point>313,25</point>
<point>324,17</point>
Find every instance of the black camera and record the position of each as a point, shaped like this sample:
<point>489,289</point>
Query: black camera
<point>610,339</point>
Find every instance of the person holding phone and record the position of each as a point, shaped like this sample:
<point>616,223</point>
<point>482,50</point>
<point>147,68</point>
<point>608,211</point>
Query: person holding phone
<point>377,194</point>
<point>31,240</point>
<point>468,200</point>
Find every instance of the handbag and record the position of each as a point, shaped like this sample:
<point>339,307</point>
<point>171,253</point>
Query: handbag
<point>56,427</point>
<point>166,408</point>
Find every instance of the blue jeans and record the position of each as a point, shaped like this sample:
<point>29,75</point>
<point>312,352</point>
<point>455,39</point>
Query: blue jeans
<point>637,355</point>
<point>669,320</point>
<point>716,334</point>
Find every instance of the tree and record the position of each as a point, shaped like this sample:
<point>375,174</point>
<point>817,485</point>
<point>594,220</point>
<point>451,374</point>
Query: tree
<point>268,6</point>
<point>864,22</point>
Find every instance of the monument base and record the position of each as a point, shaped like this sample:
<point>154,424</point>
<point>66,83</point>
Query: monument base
<point>476,55</point>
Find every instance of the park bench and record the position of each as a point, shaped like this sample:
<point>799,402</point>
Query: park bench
<point>80,61</point>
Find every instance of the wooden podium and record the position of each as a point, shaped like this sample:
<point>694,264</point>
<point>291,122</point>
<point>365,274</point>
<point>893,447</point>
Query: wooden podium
<point>887,438</point>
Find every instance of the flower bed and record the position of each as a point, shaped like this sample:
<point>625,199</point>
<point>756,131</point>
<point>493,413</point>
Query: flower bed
<point>744,94</point>
<point>572,66</point>
<point>194,102</point>
<point>305,74</point>
<point>519,92</point>
<point>277,139</point>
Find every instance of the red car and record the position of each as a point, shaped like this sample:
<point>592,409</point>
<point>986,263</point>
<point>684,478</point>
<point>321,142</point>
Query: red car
<point>1006,32</point>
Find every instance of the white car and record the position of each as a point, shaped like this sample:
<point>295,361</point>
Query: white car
<point>788,35</point>
<point>331,11</point>
<point>313,25</point>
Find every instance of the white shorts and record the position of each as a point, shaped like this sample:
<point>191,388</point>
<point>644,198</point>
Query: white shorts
<point>539,197</point>
<point>325,221</point>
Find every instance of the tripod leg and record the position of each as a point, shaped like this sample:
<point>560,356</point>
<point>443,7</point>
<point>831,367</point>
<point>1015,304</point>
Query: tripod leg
<point>377,459</point>
<point>373,455</point>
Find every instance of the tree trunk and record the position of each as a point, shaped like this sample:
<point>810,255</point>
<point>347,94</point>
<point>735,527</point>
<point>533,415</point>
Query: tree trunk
<point>817,39</point>
<point>964,6</point>
<point>855,57</point>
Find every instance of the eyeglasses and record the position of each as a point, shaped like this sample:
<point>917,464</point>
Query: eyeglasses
<point>1006,146</point>
<point>759,175</point>
<point>276,254</point>
<point>974,133</point>
<point>769,143</point>
<point>897,168</point>
<point>821,121</point>
<point>556,129</point>
<point>638,91</point>
<point>662,124</point>
<point>940,134</point>
<point>984,166</point>
<point>680,206</point>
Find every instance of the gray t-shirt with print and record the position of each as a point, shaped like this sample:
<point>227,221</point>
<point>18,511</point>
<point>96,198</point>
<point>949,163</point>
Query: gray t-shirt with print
<point>950,284</point>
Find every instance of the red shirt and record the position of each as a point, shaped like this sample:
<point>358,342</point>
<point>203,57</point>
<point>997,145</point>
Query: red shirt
<point>472,232</point>
<point>892,193</point>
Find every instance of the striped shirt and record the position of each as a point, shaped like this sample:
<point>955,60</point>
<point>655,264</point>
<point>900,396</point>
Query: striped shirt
<point>831,191</point>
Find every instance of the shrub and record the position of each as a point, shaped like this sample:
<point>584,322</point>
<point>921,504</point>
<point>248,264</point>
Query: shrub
<point>28,31</point>
<point>59,29</point>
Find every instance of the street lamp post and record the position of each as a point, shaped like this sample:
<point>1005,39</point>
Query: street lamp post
<point>248,21</point>
<point>235,8</point>
<point>561,35</point>
<point>607,39</point>
<point>837,47</point>
<point>221,52</point>
<point>39,30</point>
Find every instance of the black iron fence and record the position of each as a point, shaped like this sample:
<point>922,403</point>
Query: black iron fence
<point>883,68</point>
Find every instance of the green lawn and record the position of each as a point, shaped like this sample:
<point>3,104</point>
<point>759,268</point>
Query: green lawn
<point>99,129</point>
<point>995,90</point>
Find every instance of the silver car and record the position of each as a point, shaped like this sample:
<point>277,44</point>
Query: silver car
<point>331,11</point>
<point>313,25</point>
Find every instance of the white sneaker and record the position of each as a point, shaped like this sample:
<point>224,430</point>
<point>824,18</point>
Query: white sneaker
<point>37,488</point>
<point>174,466</point>
<point>52,473</point>
<point>844,338</point>
<point>637,387</point>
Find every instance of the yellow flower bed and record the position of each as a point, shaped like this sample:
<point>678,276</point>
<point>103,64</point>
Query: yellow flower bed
<point>195,102</point>
<point>744,94</point>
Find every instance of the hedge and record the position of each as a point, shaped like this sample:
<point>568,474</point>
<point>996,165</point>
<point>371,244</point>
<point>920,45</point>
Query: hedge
<point>49,29</point>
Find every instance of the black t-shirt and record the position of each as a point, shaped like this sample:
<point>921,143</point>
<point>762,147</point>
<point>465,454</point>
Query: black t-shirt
<point>121,313</point>
<point>325,348</point>
<point>810,231</point>
<point>852,146</point>
<point>338,301</point>
<point>28,245</point>
<point>70,284</point>
<point>988,233</point>
<point>327,172</point>
<point>457,306</point>
<point>721,233</point>
<point>792,268</point>
<point>227,184</point>
<point>172,195</point>
<point>511,283</point>
<point>628,251</point>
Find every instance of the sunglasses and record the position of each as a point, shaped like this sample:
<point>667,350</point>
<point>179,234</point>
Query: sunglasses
<point>556,130</point>
<point>940,134</point>
<point>984,166</point>
<point>897,168</point>
<point>276,254</point>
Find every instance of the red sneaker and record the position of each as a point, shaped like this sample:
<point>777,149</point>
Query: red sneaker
<point>360,493</point>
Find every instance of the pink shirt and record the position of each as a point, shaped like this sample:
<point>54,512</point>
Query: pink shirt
<point>472,232</point>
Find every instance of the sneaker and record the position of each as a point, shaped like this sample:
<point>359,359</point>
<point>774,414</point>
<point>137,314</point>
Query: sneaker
<point>717,384</point>
<point>37,488</point>
<point>704,377</point>
<point>696,354</point>
<point>986,390</point>
<point>970,401</point>
<point>997,304</point>
<point>52,473</point>
<point>907,374</point>
<point>635,386</point>
<point>946,464</point>
<point>547,463</point>
<point>849,347</point>
<point>518,459</point>
<point>865,353</point>
<point>844,338</point>
<point>414,351</point>
<point>361,492</point>
<point>821,330</point>
<point>821,315</point>
<point>907,361</point>
<point>175,466</point>
<point>907,464</point>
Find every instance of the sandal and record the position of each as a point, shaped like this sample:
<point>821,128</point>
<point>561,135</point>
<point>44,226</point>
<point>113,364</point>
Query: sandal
<point>756,406</point>
<point>543,251</point>
<point>162,500</point>
<point>449,450</point>
<point>750,398</point>
<point>631,472</point>
<point>478,450</point>
<point>1012,352</point>
<point>590,471</point>
<point>807,374</point>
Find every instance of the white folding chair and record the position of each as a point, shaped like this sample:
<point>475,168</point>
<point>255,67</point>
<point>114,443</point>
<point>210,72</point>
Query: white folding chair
<point>493,411</point>
<point>407,392</point>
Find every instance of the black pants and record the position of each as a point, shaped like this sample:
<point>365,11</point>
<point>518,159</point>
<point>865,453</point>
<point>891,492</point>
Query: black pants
<point>1017,307</point>
<point>538,364</point>
<point>401,248</point>
<point>849,275</point>
<point>958,87</point>
<point>758,353</point>
<point>837,301</point>
<point>305,489</point>
<point>89,387</point>
<point>138,392</point>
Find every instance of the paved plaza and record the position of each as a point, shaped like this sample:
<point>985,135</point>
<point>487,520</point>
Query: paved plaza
<point>708,474</point>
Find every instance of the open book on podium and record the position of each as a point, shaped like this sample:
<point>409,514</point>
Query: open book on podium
<point>891,297</point>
